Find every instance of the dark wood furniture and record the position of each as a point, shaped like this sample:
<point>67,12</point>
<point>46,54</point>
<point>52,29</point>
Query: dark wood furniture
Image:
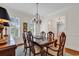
<point>60,46</point>
<point>33,46</point>
<point>36,48</point>
<point>8,49</point>
<point>25,41</point>
<point>43,35</point>
<point>43,44</point>
<point>29,38</point>
<point>25,37</point>
<point>50,36</point>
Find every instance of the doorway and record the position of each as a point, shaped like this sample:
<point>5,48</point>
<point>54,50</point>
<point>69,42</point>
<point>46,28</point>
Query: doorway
<point>61,25</point>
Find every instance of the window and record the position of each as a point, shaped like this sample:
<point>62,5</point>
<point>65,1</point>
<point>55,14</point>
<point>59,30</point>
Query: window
<point>31,26</point>
<point>15,27</point>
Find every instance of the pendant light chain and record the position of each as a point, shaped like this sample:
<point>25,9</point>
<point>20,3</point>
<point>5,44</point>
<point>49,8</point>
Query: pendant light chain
<point>37,7</point>
<point>37,17</point>
<point>37,10</point>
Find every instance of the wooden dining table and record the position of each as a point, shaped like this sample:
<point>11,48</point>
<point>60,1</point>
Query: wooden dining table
<point>44,43</point>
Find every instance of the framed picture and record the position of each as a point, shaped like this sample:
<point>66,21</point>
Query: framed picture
<point>24,27</point>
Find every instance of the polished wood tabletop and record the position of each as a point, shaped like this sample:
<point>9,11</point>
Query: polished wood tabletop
<point>10,41</point>
<point>8,48</point>
<point>44,42</point>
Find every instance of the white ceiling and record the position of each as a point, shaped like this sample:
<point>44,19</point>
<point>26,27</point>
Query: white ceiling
<point>44,8</point>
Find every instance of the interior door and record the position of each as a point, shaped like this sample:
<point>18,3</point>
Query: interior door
<point>60,28</point>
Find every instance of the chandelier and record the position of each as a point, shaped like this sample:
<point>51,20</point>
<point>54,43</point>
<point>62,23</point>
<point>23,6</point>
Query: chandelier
<point>37,16</point>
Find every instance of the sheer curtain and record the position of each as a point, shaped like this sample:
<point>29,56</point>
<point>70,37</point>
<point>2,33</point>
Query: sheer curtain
<point>15,27</point>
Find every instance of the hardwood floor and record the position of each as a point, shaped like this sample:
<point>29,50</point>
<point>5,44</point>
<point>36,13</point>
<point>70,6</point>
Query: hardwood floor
<point>72,52</point>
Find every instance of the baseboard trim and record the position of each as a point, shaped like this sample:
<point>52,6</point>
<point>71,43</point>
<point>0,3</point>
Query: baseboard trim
<point>72,52</point>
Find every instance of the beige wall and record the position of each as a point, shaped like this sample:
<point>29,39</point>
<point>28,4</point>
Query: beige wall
<point>72,28</point>
<point>49,23</point>
<point>72,21</point>
<point>23,18</point>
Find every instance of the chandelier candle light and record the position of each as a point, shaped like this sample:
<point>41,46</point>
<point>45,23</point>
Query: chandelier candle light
<point>37,21</point>
<point>37,16</point>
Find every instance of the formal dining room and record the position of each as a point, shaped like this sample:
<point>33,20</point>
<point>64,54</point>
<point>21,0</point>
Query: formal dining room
<point>39,29</point>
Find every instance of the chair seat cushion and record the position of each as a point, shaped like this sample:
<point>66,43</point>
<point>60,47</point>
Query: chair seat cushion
<point>52,52</point>
<point>37,49</point>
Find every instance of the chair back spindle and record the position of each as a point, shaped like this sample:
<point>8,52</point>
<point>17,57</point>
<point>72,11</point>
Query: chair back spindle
<point>43,35</point>
<point>50,36</point>
<point>61,43</point>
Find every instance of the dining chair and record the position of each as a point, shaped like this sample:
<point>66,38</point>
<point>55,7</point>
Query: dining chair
<point>43,35</point>
<point>50,36</point>
<point>34,48</point>
<point>25,42</point>
<point>60,46</point>
<point>26,37</point>
<point>37,49</point>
